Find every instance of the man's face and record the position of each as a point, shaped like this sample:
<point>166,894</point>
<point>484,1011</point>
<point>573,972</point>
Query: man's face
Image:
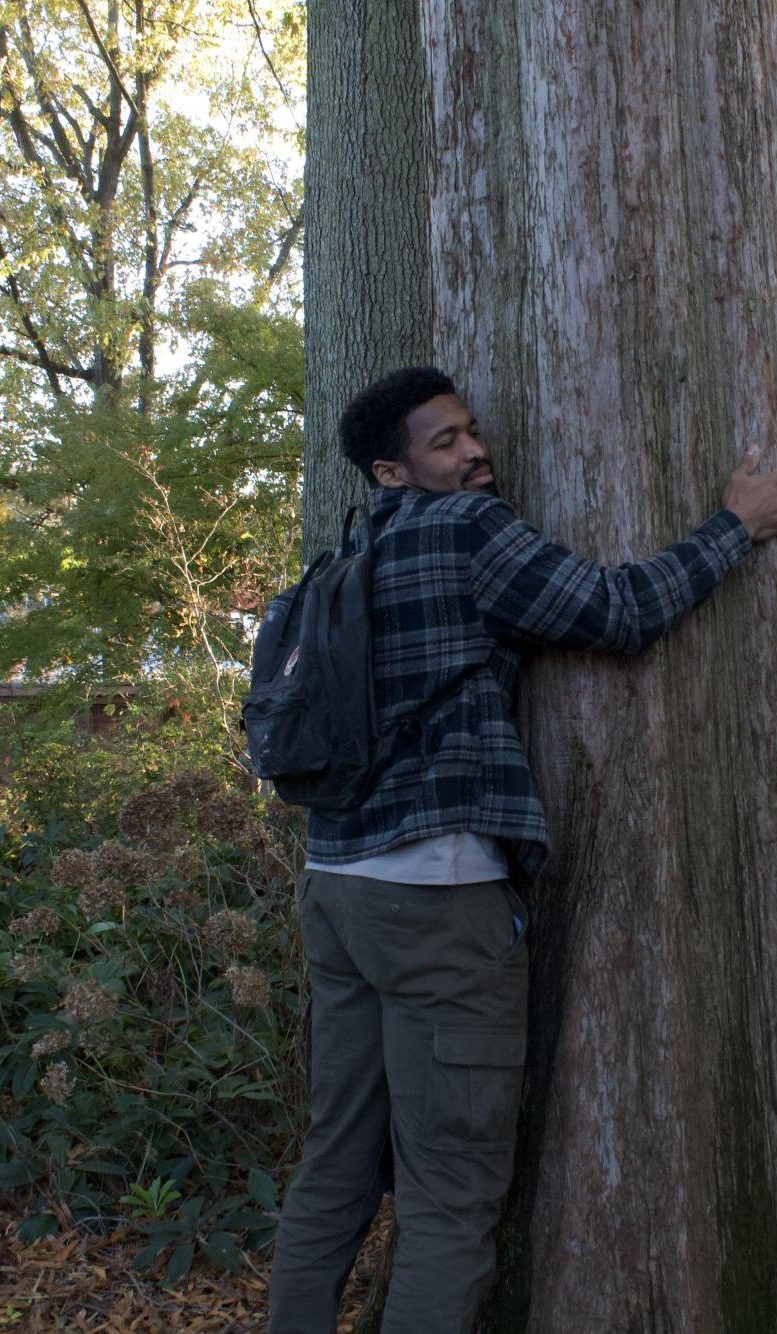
<point>445,452</point>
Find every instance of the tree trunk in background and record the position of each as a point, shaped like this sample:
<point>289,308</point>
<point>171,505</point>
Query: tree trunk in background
<point>366,229</point>
<point>600,206</point>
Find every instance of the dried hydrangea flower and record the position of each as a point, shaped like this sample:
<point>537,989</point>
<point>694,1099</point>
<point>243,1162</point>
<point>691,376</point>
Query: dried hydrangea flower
<point>57,1082</point>
<point>280,816</point>
<point>88,1002</point>
<point>115,860</point>
<point>150,816</point>
<point>73,868</point>
<point>190,787</point>
<point>24,966</point>
<point>55,1040</point>
<point>248,986</point>
<point>100,898</point>
<point>227,933</point>
<point>186,862</point>
<point>37,922</point>
<point>227,817</point>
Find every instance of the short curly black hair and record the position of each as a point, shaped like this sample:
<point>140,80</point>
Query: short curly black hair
<point>373,425</point>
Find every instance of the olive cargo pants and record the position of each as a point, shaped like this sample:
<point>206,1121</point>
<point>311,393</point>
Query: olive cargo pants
<point>419,1034</point>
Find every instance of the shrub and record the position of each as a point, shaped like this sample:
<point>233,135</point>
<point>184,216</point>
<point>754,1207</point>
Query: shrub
<point>150,985</point>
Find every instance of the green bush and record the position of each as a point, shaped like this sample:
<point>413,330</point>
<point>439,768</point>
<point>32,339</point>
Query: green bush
<point>64,785</point>
<point>150,986</point>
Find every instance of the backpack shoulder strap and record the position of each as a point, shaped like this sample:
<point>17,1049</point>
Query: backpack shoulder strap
<point>369,529</point>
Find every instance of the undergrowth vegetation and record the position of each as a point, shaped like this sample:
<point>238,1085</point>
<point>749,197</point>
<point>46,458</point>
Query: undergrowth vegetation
<point>150,994</point>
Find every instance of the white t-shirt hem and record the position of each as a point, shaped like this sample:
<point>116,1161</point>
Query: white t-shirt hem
<point>448,859</point>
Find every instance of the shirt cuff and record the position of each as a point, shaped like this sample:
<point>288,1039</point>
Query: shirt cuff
<point>731,538</point>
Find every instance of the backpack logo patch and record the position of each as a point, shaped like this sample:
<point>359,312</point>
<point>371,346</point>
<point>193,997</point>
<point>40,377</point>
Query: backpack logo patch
<point>291,664</point>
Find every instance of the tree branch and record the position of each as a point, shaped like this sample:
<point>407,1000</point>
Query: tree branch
<point>107,58</point>
<point>151,272</point>
<point>61,149</point>
<point>46,364</point>
<point>259,27</point>
<point>11,287</point>
<point>128,134</point>
<point>287,245</point>
<point>26,144</point>
<point>164,519</point>
<point>91,106</point>
<point>52,369</point>
<point>46,140</point>
<point>181,263</point>
<point>174,222</point>
<point>72,122</point>
<point>15,115</point>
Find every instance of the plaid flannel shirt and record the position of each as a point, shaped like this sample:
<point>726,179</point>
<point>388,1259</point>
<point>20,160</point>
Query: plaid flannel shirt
<point>460,584</point>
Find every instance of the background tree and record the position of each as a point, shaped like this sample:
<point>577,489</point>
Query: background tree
<point>127,157</point>
<point>578,212</point>
<point>150,351</point>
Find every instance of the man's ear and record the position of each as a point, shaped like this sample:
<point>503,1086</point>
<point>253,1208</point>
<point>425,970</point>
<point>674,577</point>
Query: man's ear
<point>387,472</point>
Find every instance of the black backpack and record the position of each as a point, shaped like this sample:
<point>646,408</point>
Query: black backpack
<point>310,717</point>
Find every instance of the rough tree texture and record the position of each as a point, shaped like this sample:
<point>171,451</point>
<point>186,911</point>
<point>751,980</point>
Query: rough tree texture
<point>602,231</point>
<point>366,234</point>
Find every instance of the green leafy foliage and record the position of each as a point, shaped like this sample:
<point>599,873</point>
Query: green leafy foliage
<point>37,1226</point>
<point>152,1201</point>
<point>150,343</point>
<point>149,1018</point>
<point>209,1230</point>
<point>141,148</point>
<point>159,536</point>
<point>68,785</point>
<point>151,384</point>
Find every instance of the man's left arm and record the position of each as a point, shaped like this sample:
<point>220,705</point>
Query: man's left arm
<point>535,590</point>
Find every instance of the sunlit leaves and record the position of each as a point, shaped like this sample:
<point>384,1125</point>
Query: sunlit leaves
<point>215,103</point>
<point>128,538</point>
<point>144,516</point>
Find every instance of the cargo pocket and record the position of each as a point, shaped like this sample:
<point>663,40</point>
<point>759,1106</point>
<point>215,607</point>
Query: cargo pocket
<point>474,1089</point>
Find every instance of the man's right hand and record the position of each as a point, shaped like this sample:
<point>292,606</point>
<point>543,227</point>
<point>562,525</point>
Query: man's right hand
<point>753,498</point>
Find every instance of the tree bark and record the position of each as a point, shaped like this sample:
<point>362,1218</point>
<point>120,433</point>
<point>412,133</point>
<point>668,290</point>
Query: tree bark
<point>600,199</point>
<point>367,280</point>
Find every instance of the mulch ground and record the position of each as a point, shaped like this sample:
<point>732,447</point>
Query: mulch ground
<point>78,1282</point>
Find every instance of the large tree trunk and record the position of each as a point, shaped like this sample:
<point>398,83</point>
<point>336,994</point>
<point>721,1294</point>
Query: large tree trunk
<point>367,280</point>
<point>602,238</point>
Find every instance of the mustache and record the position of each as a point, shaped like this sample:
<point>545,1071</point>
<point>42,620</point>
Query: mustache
<point>480,465</point>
